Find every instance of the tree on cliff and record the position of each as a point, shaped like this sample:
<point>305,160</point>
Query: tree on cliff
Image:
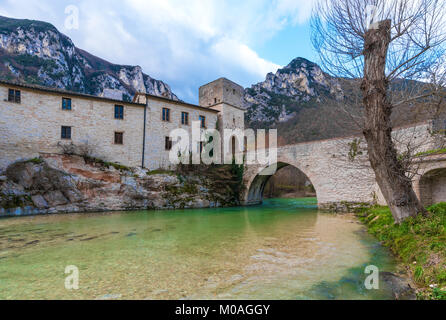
<point>383,42</point>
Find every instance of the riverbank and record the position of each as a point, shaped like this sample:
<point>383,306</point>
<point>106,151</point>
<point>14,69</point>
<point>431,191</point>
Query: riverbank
<point>419,243</point>
<point>68,184</point>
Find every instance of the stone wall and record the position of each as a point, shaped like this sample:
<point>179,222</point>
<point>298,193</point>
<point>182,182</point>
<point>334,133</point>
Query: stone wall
<point>230,118</point>
<point>219,91</point>
<point>156,155</point>
<point>430,183</point>
<point>34,126</point>
<point>438,188</point>
<point>433,187</point>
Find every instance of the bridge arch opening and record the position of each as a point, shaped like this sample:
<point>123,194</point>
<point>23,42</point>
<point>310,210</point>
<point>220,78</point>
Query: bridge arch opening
<point>287,181</point>
<point>433,187</point>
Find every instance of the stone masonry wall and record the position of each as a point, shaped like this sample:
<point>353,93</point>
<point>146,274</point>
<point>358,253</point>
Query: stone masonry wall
<point>341,177</point>
<point>156,155</point>
<point>34,126</point>
<point>221,90</point>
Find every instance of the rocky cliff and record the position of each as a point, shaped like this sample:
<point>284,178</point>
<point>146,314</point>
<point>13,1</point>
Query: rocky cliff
<point>304,103</point>
<point>279,97</point>
<point>62,183</point>
<point>36,52</point>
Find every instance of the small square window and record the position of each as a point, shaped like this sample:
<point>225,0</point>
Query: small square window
<point>185,118</point>
<point>119,112</point>
<point>66,104</point>
<point>14,96</point>
<point>119,138</point>
<point>168,144</point>
<point>66,133</point>
<point>202,121</point>
<point>166,115</point>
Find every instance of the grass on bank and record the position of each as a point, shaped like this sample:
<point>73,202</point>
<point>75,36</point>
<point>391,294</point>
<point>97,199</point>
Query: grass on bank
<point>432,152</point>
<point>419,242</point>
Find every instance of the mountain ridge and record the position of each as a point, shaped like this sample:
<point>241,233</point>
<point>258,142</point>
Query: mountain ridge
<point>300,100</point>
<point>36,52</point>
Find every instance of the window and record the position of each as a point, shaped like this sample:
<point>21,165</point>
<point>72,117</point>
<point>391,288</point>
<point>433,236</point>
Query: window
<point>168,144</point>
<point>66,104</point>
<point>185,118</point>
<point>166,114</point>
<point>202,121</point>
<point>233,142</point>
<point>119,138</point>
<point>119,112</point>
<point>215,100</point>
<point>66,133</point>
<point>14,96</point>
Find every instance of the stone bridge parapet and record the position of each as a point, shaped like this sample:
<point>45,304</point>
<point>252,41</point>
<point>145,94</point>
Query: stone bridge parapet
<point>339,169</point>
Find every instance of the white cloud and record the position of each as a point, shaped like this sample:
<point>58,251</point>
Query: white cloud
<point>239,55</point>
<point>184,43</point>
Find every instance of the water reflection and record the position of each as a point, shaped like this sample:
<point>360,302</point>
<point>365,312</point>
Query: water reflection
<point>284,249</point>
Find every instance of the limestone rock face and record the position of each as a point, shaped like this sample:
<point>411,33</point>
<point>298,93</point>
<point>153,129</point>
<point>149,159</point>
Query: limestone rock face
<point>275,99</point>
<point>55,198</point>
<point>37,52</point>
<point>60,183</point>
<point>39,201</point>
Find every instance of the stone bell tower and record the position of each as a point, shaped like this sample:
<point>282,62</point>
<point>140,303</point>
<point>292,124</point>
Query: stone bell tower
<point>226,97</point>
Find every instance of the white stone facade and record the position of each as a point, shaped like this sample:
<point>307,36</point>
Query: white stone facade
<point>34,126</point>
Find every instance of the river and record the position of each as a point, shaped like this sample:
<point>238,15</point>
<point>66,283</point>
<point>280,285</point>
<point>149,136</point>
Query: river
<point>283,249</point>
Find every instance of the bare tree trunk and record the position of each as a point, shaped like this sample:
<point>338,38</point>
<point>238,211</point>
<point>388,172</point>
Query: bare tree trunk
<point>390,175</point>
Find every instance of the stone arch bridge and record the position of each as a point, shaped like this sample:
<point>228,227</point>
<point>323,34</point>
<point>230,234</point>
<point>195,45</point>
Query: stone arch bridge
<point>341,174</point>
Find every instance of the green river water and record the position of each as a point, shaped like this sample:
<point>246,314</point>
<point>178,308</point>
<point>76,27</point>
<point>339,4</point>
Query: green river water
<point>283,249</point>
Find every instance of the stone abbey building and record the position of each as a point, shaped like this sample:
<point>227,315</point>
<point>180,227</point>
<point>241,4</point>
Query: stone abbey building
<point>35,120</point>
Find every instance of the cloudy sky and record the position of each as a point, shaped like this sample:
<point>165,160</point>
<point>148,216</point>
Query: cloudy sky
<point>185,43</point>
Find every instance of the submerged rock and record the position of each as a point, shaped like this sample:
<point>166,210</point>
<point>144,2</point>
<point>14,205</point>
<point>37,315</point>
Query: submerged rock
<point>401,288</point>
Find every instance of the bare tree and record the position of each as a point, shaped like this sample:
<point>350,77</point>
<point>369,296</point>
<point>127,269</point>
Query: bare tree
<point>382,43</point>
